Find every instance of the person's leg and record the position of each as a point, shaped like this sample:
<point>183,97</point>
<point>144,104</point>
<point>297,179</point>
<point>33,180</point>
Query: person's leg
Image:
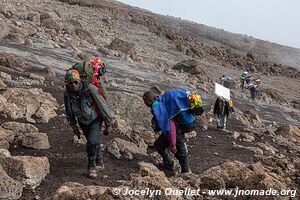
<point>217,121</point>
<point>252,91</point>
<point>181,153</point>
<point>91,146</point>
<point>222,121</point>
<point>99,157</point>
<point>161,144</point>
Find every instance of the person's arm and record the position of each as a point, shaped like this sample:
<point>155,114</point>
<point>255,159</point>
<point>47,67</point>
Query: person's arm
<point>172,135</point>
<point>227,108</point>
<point>102,105</point>
<point>216,106</point>
<point>69,114</point>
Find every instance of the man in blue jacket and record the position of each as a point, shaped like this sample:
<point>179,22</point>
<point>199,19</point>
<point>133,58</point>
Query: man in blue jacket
<point>173,116</point>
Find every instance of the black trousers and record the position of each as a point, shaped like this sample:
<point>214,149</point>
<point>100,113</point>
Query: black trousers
<point>162,145</point>
<point>92,132</point>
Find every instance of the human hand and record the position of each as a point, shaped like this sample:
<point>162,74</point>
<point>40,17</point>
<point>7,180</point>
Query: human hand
<point>173,149</point>
<point>107,130</point>
<point>76,132</point>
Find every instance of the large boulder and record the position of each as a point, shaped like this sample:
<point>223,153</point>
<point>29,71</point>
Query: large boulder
<point>12,61</point>
<point>126,146</point>
<point>123,46</point>
<point>51,23</point>
<point>147,135</point>
<point>4,144</point>
<point>5,76</point>
<point>290,131</point>
<point>49,70</point>
<point>2,85</point>
<point>17,38</point>
<point>30,171</point>
<point>192,67</point>
<point>3,102</point>
<point>20,128</point>
<point>6,135</point>
<point>149,178</point>
<point>36,140</point>
<point>251,118</point>
<point>85,35</point>
<point>9,188</point>
<point>4,152</point>
<point>76,191</point>
<point>5,27</point>
<point>263,181</point>
<point>233,173</point>
<point>71,25</point>
<point>31,104</point>
<point>148,169</point>
<point>121,126</point>
<point>130,107</point>
<point>34,17</point>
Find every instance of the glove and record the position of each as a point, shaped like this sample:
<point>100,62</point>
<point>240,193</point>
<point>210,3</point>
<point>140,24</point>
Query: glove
<point>76,132</point>
<point>107,130</point>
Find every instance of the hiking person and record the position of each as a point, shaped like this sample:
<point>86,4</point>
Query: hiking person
<point>242,80</point>
<point>173,115</point>
<point>86,107</point>
<point>253,87</point>
<point>221,112</point>
<point>93,71</point>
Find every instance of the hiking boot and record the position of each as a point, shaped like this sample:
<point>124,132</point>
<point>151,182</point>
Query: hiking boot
<point>100,166</point>
<point>169,167</point>
<point>91,163</point>
<point>92,173</point>
<point>186,171</point>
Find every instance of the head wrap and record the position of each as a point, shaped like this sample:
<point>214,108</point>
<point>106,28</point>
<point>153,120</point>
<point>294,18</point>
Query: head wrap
<point>72,74</point>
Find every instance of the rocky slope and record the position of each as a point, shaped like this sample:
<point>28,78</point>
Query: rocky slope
<point>40,158</point>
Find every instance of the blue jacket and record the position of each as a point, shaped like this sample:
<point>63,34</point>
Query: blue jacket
<point>172,103</point>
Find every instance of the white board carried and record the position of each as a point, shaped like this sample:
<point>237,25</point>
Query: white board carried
<point>222,91</point>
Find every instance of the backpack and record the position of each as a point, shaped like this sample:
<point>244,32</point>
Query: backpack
<point>195,101</point>
<point>91,72</point>
<point>186,119</point>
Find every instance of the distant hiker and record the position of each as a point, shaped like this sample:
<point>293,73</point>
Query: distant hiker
<point>173,115</point>
<point>86,107</point>
<point>222,79</point>
<point>93,71</point>
<point>242,80</point>
<point>253,87</point>
<point>221,112</point>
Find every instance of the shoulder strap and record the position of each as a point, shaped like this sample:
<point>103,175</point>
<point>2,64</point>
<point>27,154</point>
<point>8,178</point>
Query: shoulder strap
<point>86,67</point>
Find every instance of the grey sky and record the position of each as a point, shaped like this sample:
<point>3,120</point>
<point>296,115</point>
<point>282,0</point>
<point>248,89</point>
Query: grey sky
<point>272,20</point>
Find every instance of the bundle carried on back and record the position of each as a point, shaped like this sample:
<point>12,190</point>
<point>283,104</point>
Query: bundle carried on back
<point>92,71</point>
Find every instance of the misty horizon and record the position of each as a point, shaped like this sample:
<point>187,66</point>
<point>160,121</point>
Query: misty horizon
<point>276,23</point>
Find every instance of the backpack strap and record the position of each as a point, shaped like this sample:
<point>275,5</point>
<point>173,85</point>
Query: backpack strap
<point>86,67</point>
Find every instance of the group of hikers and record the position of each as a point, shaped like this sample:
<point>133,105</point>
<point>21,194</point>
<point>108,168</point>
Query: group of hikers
<point>174,114</point>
